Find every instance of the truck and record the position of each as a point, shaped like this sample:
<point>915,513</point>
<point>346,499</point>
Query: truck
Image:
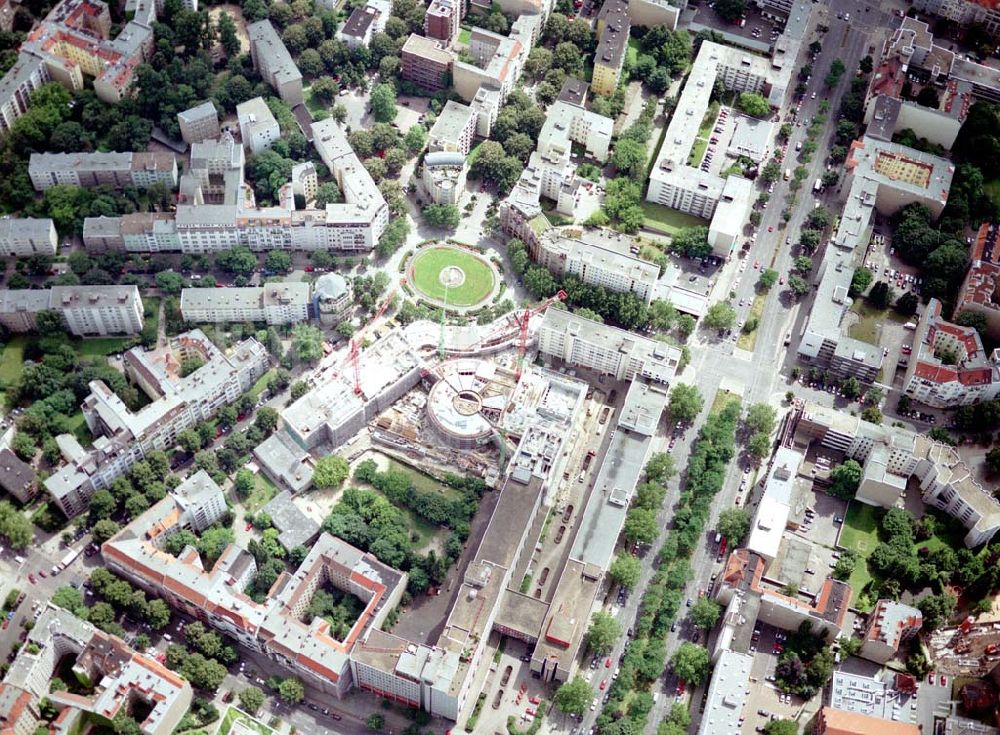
<point>818,186</point>
<point>68,558</point>
<point>788,174</point>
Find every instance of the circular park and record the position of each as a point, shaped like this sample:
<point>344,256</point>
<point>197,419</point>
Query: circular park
<point>452,275</point>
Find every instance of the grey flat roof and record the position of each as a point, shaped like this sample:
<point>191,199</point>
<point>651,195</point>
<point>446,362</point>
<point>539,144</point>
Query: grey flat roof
<point>297,529</point>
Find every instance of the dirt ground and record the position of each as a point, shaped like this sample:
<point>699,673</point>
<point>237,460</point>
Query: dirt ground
<point>241,26</point>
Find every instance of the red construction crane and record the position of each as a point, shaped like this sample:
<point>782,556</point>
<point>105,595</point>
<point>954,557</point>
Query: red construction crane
<point>526,319</point>
<point>352,357</point>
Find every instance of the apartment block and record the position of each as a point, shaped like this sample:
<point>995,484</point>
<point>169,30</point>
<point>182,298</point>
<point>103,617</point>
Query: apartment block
<point>454,129</point>
<point>273,303</point>
<point>364,22</point>
<point>890,624</point>
<point>89,311</point>
<point>123,436</point>
<point>604,349</point>
<point>830,721</point>
<point>17,478</point>
<point>258,128</point>
<point>122,680</point>
<point>117,170</point>
<point>495,62</point>
<point>199,123</point>
<point>949,366</point>
<point>964,13</point>
<point>980,292</point>
<point>613,26</point>
<point>649,13</point>
<point>882,177</point>
<point>597,257</point>
<point>675,184</point>
<point>17,85</point>
<point>443,20</point>
<point>273,62</point>
<point>567,123</point>
<point>22,237</point>
<point>889,456</point>
<point>443,177</point>
<point>426,63</point>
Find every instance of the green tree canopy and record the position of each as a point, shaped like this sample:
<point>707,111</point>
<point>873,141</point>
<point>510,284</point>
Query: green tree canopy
<point>603,632</point>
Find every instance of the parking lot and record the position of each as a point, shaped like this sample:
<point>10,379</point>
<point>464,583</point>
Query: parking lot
<point>757,28</point>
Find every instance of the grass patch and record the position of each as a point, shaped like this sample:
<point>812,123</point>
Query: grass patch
<point>722,399</point>
<point>312,104</point>
<point>430,262</point>
<point>103,346</point>
<point>261,384</point>
<point>867,327</point>
<point>749,341</point>
<point>79,429</point>
<point>12,360</point>
<point>232,715</point>
<point>464,36</point>
<point>473,154</point>
<point>666,220</point>
<point>425,483</point>
<point>708,122</point>
<point>262,493</point>
<point>632,55</point>
<point>993,191</point>
<point>860,534</point>
<point>697,152</point>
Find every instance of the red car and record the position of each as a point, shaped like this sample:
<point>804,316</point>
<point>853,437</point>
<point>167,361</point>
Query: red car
<point>43,573</point>
<point>535,700</point>
<point>771,228</point>
<point>249,526</point>
<point>680,687</point>
<point>930,678</point>
<point>943,680</point>
<point>530,712</point>
<point>604,683</point>
<point>31,578</point>
<point>607,663</point>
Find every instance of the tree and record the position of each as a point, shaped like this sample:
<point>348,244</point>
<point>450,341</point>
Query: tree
<point>278,261</point>
<point>68,598</point>
<point>252,699</point>
<point>851,388</point>
<point>415,138</point>
<point>844,479</point>
<point>704,613</point>
<point>227,34</point>
<point>169,282</point>
<point>630,158</point>
<point>798,285</point>
<point>330,471</point>
<point>690,662</point>
<point>443,215</point>
<point>291,691</point>
<point>307,343</point>
<point>573,697</point>
<point>660,468</point>
<point>603,632</point>
<point>383,103</point>
<point>720,317</point>
<point>860,282</point>
<point>375,722</point>
<point>625,570</point>
<point>692,242</point>
<point>685,403</point>
<point>767,279</point>
<point>837,69</point>
<point>104,529</point>
<point>753,104</point>
<point>733,524</point>
<point>730,10</point>
<point>936,609</point>
<point>872,415</point>
<point>157,614</point>
<point>781,727</point>
<point>641,526</point>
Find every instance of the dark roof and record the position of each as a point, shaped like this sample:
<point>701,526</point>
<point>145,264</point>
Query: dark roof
<point>574,91</point>
<point>16,477</point>
<point>359,21</point>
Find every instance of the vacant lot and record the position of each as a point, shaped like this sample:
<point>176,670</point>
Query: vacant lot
<point>666,220</point>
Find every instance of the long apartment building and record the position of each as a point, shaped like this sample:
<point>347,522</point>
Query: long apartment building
<point>217,211</point>
<point>117,170</point>
<point>613,25</point>
<point>604,349</point>
<point>89,311</point>
<point>273,303</point>
<point>122,681</point>
<point>273,62</point>
<point>882,177</point>
<point>124,436</point>
<point>980,292</point>
<point>676,184</point>
<point>889,456</point>
<point>21,237</point>
<point>949,366</point>
<point>964,13</point>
